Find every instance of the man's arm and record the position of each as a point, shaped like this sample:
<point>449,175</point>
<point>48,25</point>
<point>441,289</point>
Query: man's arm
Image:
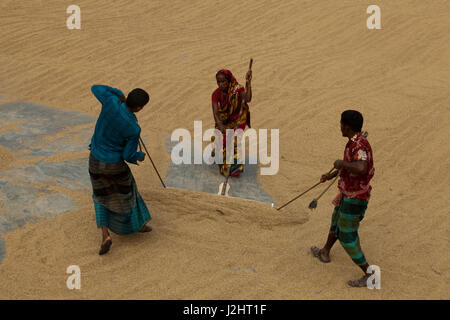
<point>102,92</point>
<point>357,167</point>
<point>130,153</point>
<point>329,176</point>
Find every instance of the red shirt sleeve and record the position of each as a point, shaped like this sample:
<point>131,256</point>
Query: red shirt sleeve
<point>361,152</point>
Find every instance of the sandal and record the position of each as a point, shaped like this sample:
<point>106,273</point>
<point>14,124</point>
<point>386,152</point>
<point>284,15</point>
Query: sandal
<point>360,283</point>
<point>105,247</point>
<point>145,228</point>
<point>316,253</point>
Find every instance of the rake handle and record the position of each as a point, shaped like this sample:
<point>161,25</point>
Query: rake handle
<point>284,205</point>
<point>154,167</point>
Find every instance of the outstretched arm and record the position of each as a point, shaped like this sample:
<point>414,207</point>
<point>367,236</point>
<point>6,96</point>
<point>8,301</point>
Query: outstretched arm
<point>329,176</point>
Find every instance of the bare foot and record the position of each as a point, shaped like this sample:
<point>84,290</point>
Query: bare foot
<point>320,254</point>
<point>360,283</point>
<point>104,248</point>
<point>145,228</point>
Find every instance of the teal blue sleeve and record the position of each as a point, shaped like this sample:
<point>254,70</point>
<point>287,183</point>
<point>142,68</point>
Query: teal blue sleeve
<point>130,153</point>
<point>102,92</point>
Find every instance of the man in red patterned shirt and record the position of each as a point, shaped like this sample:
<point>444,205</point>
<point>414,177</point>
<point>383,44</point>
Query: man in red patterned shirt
<point>356,171</point>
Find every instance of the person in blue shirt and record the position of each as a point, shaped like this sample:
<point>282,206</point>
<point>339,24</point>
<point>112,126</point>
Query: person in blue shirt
<point>118,205</point>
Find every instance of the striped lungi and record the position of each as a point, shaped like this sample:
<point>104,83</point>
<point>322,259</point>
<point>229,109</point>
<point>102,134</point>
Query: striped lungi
<point>117,202</point>
<point>345,223</point>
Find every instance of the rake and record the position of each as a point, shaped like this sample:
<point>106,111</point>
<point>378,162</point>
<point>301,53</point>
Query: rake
<point>301,194</point>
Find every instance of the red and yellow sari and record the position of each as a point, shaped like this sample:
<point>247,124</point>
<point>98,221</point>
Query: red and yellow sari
<point>229,107</point>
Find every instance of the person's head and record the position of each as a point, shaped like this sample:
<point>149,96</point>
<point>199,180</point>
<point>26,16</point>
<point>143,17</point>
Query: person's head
<point>223,80</point>
<point>351,123</point>
<point>137,99</point>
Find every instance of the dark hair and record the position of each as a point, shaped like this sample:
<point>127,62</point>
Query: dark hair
<point>227,76</point>
<point>137,98</point>
<point>353,119</point>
